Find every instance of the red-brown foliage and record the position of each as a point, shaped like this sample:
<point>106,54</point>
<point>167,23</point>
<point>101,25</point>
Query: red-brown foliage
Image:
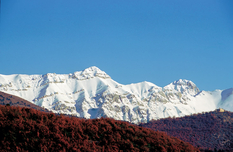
<point>24,129</point>
<point>8,99</point>
<point>208,131</point>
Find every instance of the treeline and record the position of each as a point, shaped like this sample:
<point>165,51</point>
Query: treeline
<point>26,129</point>
<point>212,131</point>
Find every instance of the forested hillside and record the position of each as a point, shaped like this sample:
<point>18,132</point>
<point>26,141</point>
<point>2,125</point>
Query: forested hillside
<point>27,129</point>
<point>212,130</point>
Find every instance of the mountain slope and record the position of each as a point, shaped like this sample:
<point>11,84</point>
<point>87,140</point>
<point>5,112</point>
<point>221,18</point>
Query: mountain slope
<point>212,130</point>
<point>8,99</point>
<point>227,99</point>
<point>92,93</point>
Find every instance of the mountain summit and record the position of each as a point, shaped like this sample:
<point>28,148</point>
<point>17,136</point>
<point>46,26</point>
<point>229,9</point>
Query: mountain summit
<point>183,85</point>
<point>92,93</point>
<point>90,72</point>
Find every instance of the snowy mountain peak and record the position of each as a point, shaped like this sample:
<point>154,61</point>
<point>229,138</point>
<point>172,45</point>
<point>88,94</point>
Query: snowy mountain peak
<point>90,72</point>
<point>183,86</point>
<point>182,82</point>
<point>91,69</point>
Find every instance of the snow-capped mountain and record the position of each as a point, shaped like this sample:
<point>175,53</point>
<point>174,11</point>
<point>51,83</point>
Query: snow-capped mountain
<point>92,93</point>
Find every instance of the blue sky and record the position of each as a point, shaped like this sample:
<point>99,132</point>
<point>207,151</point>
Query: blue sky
<point>159,41</point>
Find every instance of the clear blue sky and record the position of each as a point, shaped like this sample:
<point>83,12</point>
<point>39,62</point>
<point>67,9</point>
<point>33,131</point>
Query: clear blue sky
<point>158,41</point>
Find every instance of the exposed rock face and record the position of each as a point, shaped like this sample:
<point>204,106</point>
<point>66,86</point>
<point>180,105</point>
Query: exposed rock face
<point>92,93</point>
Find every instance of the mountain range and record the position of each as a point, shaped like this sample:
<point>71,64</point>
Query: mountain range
<point>92,93</point>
